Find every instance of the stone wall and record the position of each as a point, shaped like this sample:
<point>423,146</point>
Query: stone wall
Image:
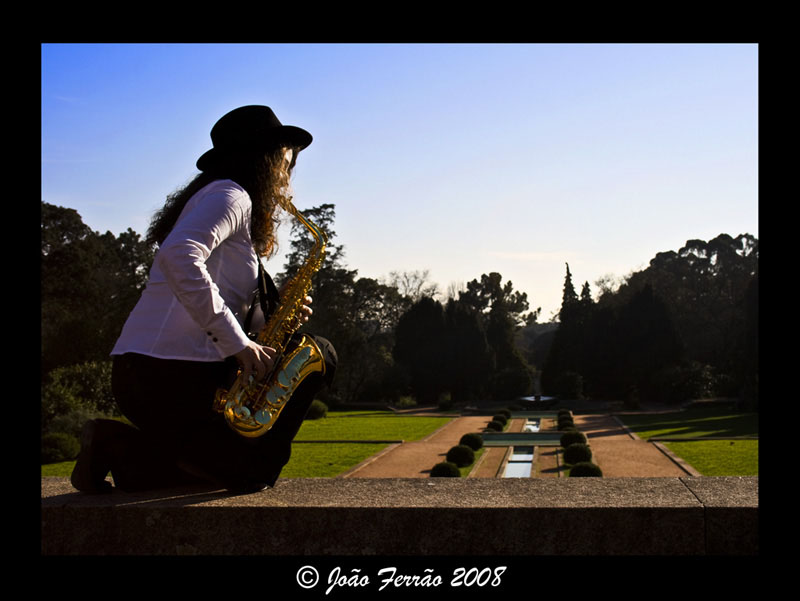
<point>413,517</point>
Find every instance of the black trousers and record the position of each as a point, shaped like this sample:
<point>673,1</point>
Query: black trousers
<point>179,439</point>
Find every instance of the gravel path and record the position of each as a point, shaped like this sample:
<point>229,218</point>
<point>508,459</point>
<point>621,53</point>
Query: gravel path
<point>618,453</point>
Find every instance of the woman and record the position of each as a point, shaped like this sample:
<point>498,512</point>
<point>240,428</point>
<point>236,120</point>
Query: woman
<point>189,331</point>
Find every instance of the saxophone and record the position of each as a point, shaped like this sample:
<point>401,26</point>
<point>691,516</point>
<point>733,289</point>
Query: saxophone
<point>252,407</point>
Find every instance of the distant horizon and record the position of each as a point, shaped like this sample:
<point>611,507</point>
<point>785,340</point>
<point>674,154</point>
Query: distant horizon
<point>459,159</point>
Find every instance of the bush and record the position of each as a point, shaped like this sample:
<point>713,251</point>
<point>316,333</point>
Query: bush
<point>461,455</point>
<point>494,426</point>
<point>85,385</point>
<point>577,452</point>
<point>58,446</point>
<point>317,410</point>
<point>500,418</point>
<point>564,413</point>
<point>406,402</point>
<point>73,421</point>
<point>571,437</point>
<point>473,440</point>
<point>506,412</point>
<point>585,468</point>
<point>564,423</point>
<point>445,469</point>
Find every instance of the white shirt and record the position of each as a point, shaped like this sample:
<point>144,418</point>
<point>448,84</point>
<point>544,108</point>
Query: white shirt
<point>201,283</point>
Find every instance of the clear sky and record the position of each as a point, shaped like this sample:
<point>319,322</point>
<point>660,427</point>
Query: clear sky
<point>456,158</point>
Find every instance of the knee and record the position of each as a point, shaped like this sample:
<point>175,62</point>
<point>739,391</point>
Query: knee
<point>330,357</point>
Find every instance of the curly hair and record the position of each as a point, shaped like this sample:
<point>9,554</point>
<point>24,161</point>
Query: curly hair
<point>265,178</point>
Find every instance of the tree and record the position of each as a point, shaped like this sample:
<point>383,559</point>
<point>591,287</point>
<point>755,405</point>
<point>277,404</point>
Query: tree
<point>503,311</point>
<point>358,315</point>
<point>569,299</point>
<point>420,347</point>
<point>468,359</point>
<point>90,283</point>
<point>566,358</point>
<point>413,285</point>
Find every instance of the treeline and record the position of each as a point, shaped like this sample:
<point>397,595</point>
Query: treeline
<point>685,327</point>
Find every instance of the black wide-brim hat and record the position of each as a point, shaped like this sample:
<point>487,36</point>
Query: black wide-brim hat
<point>251,128</point>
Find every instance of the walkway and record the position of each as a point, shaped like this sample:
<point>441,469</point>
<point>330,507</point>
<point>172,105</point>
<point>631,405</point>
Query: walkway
<point>619,453</point>
<point>415,459</point>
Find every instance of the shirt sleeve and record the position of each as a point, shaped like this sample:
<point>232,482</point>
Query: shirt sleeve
<point>182,259</point>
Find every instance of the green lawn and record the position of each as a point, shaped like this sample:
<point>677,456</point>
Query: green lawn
<point>693,423</point>
<point>369,425</point>
<point>328,459</point>
<point>719,457</point>
<point>731,457</point>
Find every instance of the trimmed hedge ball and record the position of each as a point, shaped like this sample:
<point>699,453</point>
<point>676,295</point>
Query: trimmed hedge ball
<point>494,425</point>
<point>584,469</point>
<point>571,437</point>
<point>317,410</point>
<point>473,440</point>
<point>445,469</point>
<point>577,452</point>
<point>461,455</point>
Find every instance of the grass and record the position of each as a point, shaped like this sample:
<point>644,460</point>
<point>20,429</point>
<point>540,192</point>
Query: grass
<point>328,459</point>
<point>62,469</point>
<point>696,422</point>
<point>369,425</point>
<point>465,471</point>
<point>731,457</point>
<point>719,457</point>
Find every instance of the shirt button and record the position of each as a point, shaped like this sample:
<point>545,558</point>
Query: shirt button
<point>214,339</point>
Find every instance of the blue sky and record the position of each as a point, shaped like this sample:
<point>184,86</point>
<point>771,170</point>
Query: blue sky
<point>459,159</point>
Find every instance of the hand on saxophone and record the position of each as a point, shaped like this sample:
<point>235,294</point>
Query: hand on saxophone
<point>256,360</point>
<point>305,310</point>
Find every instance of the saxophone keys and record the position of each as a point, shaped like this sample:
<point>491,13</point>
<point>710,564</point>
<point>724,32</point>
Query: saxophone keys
<point>241,412</point>
<point>263,417</point>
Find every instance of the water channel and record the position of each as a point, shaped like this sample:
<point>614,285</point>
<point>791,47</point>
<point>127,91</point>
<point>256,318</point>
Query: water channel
<point>520,463</point>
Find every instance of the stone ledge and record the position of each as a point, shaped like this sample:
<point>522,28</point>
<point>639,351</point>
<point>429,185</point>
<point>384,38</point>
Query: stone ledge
<point>411,517</point>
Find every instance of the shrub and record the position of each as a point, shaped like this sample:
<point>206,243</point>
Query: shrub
<point>564,413</point>
<point>83,385</point>
<point>494,426</point>
<point>571,437</point>
<point>406,402</point>
<point>445,469</point>
<point>506,412</point>
<point>461,455</point>
<point>585,468</point>
<point>473,440</point>
<point>565,423</point>
<point>577,452</point>
<point>500,418</point>
<point>58,446</point>
<point>317,410</point>
<point>72,421</point>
